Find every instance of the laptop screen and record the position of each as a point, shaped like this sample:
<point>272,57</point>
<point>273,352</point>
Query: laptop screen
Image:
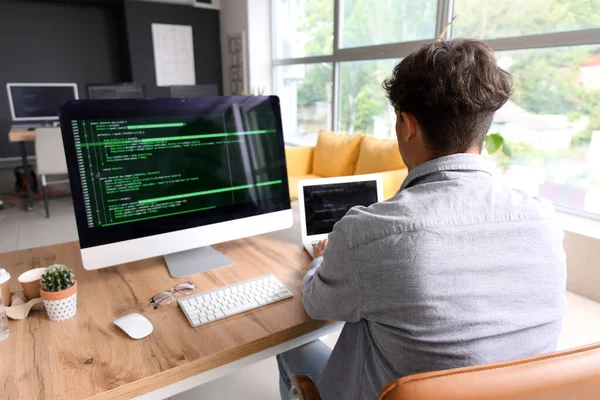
<point>326,204</point>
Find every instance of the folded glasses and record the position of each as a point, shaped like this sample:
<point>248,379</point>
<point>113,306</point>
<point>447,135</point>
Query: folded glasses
<point>166,296</point>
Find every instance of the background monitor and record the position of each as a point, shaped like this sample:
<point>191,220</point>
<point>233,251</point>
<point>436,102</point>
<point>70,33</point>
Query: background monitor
<point>194,91</point>
<point>161,176</point>
<point>115,91</point>
<point>38,101</point>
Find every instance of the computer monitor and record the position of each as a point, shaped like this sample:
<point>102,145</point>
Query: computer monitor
<point>165,176</point>
<point>115,91</point>
<point>194,90</point>
<point>38,101</point>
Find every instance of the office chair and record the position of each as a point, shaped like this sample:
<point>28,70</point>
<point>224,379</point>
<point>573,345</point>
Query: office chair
<point>569,374</point>
<point>50,158</point>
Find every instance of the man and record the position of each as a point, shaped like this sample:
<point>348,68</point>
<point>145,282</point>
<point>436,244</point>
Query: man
<point>456,269</point>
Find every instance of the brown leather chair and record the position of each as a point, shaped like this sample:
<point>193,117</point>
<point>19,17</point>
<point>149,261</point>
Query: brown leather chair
<point>571,374</point>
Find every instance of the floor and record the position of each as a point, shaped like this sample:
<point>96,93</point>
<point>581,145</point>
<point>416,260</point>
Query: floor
<point>20,229</point>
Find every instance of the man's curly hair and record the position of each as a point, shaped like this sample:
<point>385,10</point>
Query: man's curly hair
<point>453,89</point>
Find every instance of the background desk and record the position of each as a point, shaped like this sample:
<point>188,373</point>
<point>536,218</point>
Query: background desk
<point>88,356</point>
<point>21,136</point>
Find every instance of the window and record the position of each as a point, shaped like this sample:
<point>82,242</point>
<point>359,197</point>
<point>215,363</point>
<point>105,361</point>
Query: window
<point>303,28</point>
<point>363,105</point>
<point>324,87</point>
<point>368,22</point>
<point>488,19</point>
<point>551,125</point>
<point>305,92</point>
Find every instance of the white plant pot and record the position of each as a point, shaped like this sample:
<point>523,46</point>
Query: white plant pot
<point>61,305</point>
<point>60,310</point>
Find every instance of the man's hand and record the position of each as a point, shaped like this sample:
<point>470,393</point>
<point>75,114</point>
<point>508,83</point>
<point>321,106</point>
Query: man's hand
<point>318,249</point>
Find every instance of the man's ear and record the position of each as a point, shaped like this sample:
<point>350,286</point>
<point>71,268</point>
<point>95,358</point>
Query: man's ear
<point>412,126</point>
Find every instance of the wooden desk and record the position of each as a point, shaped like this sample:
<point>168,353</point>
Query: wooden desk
<point>89,357</point>
<point>18,135</point>
<point>21,136</point>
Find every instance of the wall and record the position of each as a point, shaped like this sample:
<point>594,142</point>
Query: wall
<point>140,15</point>
<point>259,45</point>
<point>253,17</point>
<point>583,265</point>
<point>234,19</point>
<point>55,42</point>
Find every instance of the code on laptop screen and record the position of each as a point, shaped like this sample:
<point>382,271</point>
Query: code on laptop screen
<point>327,204</point>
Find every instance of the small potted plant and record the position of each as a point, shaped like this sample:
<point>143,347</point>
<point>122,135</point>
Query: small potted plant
<point>59,292</point>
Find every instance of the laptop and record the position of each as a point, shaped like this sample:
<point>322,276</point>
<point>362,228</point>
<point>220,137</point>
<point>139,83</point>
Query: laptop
<point>323,202</point>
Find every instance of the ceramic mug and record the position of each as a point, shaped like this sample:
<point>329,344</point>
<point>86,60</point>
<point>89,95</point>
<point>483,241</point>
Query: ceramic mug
<point>30,280</point>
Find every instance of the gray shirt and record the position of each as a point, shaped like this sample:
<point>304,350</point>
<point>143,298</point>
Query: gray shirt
<point>456,269</point>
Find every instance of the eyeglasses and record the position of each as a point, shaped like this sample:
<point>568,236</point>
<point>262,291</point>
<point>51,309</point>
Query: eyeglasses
<point>166,296</point>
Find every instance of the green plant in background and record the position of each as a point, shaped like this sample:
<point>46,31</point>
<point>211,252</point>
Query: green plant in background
<point>57,277</point>
<point>495,142</point>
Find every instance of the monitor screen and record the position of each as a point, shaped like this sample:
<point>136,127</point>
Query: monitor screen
<point>31,102</point>
<point>145,167</point>
<point>115,91</point>
<point>325,205</point>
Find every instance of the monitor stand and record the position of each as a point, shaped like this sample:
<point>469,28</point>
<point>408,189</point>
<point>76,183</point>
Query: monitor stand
<point>195,261</point>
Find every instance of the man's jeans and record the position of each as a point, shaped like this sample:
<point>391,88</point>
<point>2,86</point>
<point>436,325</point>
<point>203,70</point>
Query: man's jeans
<point>308,359</point>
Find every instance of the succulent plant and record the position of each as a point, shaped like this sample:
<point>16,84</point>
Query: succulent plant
<point>57,277</point>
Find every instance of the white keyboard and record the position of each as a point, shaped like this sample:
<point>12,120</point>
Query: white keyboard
<point>206,307</point>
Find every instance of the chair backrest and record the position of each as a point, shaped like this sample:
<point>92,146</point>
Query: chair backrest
<point>49,152</point>
<point>571,374</point>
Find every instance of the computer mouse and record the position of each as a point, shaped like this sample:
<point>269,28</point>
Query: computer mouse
<point>135,325</point>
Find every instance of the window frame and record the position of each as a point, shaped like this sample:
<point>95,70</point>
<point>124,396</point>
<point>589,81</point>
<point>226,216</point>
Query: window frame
<point>445,11</point>
<point>374,52</point>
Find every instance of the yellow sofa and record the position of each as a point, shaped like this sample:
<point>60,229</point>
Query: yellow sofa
<point>341,155</point>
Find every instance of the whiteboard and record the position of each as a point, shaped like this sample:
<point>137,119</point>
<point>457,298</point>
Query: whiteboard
<point>173,54</point>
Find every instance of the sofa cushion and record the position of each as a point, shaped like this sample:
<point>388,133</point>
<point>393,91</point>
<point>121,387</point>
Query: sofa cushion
<point>293,184</point>
<point>392,180</point>
<point>378,155</point>
<point>299,160</point>
<point>335,155</point>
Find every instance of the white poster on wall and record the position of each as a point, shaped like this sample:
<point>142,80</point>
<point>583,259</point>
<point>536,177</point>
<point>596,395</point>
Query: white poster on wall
<point>173,54</point>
